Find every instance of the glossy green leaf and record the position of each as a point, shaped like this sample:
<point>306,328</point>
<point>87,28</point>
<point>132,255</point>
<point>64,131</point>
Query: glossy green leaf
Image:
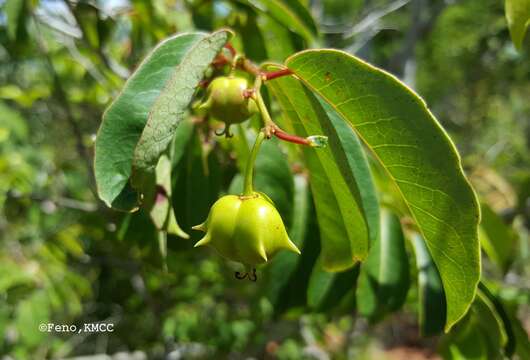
<point>496,238</point>
<point>170,107</point>
<point>417,154</point>
<point>518,17</point>
<point>432,304</point>
<point>291,14</point>
<point>126,117</point>
<point>341,184</point>
<point>384,278</point>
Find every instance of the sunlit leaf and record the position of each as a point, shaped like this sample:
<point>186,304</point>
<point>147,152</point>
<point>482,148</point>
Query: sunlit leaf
<point>417,154</point>
<point>126,117</point>
<point>169,108</point>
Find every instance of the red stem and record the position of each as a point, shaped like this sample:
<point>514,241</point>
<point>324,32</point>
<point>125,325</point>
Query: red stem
<point>230,48</point>
<point>280,134</point>
<point>276,74</point>
<point>220,60</point>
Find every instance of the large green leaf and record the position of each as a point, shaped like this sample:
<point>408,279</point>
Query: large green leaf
<point>291,14</point>
<point>125,119</point>
<point>432,304</point>
<point>496,238</point>
<point>417,154</point>
<point>518,17</point>
<point>340,180</point>
<point>384,278</point>
<point>170,107</point>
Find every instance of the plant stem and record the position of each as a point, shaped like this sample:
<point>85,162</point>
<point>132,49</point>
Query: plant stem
<point>276,74</point>
<point>249,171</point>
<point>267,120</point>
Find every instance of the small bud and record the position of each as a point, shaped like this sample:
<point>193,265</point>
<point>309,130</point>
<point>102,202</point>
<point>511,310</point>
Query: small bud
<point>318,141</point>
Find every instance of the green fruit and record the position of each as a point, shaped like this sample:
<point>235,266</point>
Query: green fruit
<point>226,100</point>
<point>246,229</point>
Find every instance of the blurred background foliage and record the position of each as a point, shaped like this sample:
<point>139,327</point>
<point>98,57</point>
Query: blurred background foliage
<point>66,259</point>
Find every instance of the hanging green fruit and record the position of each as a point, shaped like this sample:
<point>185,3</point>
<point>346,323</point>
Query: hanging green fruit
<point>227,101</point>
<point>246,228</point>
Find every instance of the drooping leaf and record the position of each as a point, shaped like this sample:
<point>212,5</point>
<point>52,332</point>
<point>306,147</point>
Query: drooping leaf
<point>432,304</point>
<point>341,184</point>
<point>384,278</point>
<point>169,108</point>
<point>417,154</point>
<point>496,238</point>
<point>291,14</point>
<point>126,117</point>
<point>518,17</point>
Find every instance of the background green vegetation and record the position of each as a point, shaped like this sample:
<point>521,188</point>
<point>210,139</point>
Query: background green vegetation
<point>67,259</point>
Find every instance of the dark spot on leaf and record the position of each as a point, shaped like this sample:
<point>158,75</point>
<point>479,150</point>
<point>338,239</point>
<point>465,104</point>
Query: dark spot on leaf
<point>327,76</point>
